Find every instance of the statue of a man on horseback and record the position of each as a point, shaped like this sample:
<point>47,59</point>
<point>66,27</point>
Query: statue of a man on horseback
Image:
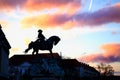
<point>42,44</point>
<point>41,37</point>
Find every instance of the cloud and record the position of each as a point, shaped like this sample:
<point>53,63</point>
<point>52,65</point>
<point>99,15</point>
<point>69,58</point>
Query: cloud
<point>38,5</point>
<point>111,50</point>
<point>63,5</point>
<point>103,16</point>
<point>111,54</point>
<point>8,5</point>
<point>115,32</point>
<point>45,21</point>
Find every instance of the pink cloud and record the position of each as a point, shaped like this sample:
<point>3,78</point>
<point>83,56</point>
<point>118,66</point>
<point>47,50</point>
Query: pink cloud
<point>115,32</point>
<point>106,15</point>
<point>103,16</point>
<point>35,5</point>
<point>48,4</point>
<point>111,54</point>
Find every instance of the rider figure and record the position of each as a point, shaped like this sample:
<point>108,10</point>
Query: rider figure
<point>41,37</point>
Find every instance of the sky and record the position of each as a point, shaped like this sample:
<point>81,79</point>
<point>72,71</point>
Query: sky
<point>89,29</point>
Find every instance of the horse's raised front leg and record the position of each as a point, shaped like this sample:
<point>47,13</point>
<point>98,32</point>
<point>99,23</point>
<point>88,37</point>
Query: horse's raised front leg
<point>51,54</point>
<point>37,52</point>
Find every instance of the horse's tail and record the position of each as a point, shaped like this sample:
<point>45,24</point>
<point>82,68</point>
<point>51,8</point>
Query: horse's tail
<point>29,47</point>
<point>57,40</point>
<point>26,51</point>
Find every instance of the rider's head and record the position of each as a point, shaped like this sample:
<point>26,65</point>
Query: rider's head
<point>40,31</point>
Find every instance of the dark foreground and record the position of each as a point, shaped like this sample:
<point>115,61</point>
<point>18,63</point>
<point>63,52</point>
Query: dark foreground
<point>94,78</point>
<point>66,78</point>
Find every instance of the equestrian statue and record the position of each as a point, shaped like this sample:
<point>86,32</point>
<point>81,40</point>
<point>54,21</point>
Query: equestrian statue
<point>42,44</point>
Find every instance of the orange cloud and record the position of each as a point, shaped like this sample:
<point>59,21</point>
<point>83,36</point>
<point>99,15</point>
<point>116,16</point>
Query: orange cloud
<point>45,21</point>
<point>70,6</point>
<point>118,5</point>
<point>111,50</point>
<point>111,54</point>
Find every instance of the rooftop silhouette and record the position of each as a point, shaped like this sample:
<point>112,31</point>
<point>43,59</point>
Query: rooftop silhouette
<point>3,41</point>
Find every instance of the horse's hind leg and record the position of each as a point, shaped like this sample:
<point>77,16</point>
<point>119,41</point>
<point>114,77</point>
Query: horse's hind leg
<point>33,52</point>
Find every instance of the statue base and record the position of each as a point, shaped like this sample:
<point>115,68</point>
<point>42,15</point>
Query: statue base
<point>4,76</point>
<point>47,69</point>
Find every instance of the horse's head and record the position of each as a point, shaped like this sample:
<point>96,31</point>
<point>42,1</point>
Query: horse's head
<point>55,39</point>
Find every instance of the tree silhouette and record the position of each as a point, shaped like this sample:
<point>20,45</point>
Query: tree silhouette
<point>105,70</point>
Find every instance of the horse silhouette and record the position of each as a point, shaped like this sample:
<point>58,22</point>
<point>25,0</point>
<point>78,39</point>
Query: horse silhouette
<point>46,45</point>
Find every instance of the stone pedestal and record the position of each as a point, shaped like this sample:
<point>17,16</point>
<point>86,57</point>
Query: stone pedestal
<point>3,76</point>
<point>47,69</point>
